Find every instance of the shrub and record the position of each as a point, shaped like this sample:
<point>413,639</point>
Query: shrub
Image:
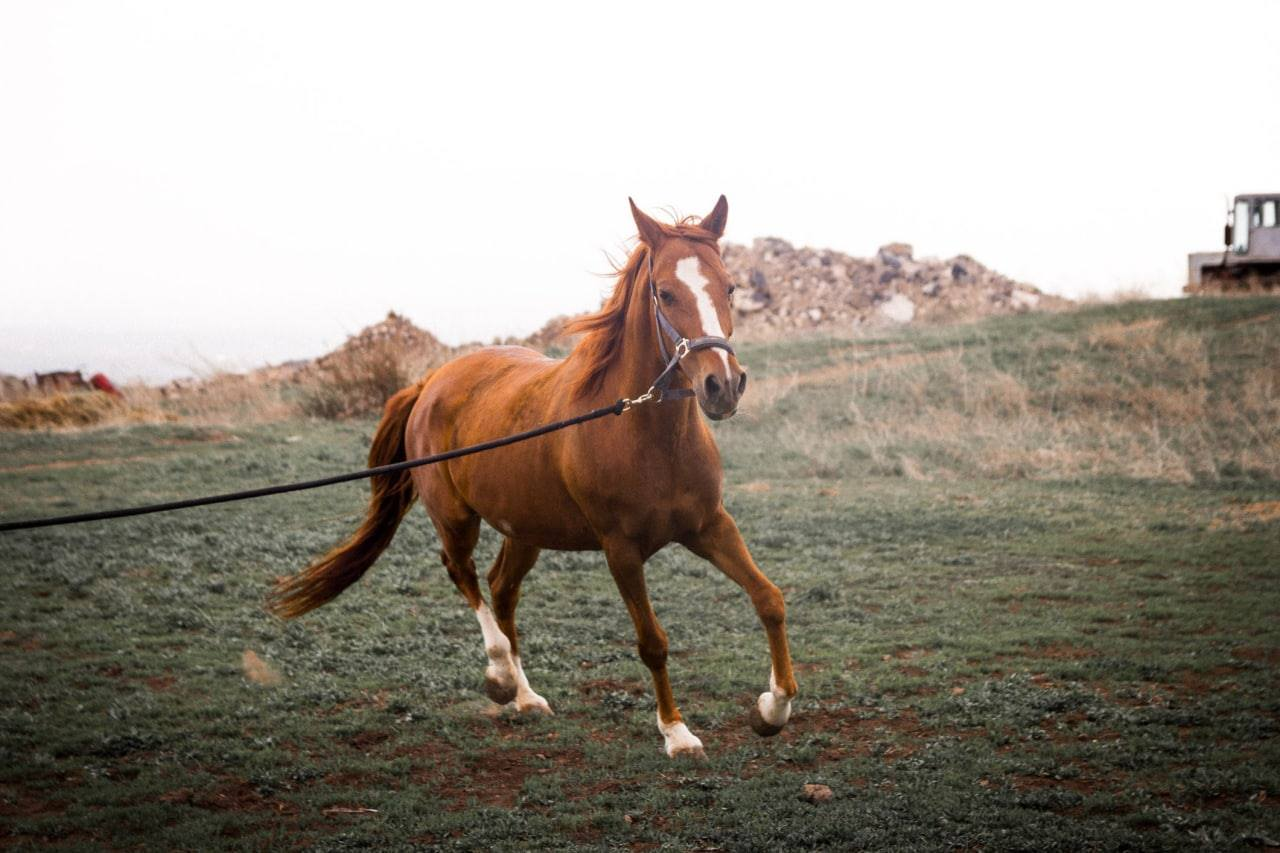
<point>355,384</point>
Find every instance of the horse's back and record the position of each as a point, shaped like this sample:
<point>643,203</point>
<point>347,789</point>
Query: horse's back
<point>518,489</point>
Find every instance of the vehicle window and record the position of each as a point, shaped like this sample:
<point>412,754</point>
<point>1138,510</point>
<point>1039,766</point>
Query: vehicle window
<point>1240,228</point>
<point>1269,214</point>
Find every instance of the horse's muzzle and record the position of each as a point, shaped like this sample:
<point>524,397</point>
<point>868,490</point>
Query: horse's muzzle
<point>718,395</point>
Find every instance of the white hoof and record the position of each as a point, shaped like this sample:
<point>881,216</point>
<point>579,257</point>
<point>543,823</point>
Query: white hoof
<point>680,741</point>
<point>532,703</point>
<point>775,708</point>
<point>772,710</point>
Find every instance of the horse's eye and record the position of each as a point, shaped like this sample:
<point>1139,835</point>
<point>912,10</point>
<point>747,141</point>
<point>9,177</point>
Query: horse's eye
<point>731,290</point>
<point>667,297</point>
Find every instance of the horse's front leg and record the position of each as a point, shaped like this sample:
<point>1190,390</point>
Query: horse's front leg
<point>721,543</point>
<point>627,566</point>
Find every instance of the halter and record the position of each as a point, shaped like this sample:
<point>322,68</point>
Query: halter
<point>681,346</point>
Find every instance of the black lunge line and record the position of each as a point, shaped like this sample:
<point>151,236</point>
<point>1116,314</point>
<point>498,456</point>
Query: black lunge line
<point>615,409</point>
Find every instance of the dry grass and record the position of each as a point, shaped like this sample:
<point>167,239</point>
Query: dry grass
<point>75,410</point>
<point>221,398</point>
<point>357,385</point>
<point>1130,398</point>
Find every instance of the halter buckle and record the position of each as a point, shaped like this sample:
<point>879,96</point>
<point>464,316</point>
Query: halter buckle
<point>682,349</point>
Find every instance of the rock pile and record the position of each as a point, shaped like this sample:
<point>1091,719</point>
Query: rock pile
<point>414,347</point>
<point>783,287</point>
<point>395,332</point>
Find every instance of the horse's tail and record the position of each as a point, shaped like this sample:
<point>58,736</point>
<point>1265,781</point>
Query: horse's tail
<point>392,495</point>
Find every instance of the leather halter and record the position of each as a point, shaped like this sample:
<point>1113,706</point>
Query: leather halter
<point>681,346</point>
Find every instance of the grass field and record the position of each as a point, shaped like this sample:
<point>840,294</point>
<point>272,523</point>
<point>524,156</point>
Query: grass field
<point>1033,575</point>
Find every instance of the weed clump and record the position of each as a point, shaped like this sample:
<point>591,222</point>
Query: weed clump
<point>357,384</point>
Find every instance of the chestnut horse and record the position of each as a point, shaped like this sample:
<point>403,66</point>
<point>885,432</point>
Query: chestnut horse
<point>627,486</point>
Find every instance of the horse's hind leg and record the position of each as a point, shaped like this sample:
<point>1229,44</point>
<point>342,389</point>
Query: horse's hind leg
<point>513,563</point>
<point>458,537</point>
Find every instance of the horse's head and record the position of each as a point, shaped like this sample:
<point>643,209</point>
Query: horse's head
<point>694,293</point>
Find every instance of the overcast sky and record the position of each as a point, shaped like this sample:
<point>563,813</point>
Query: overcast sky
<point>234,183</point>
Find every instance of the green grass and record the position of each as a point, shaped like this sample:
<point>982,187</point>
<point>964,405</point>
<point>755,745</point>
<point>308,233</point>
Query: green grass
<point>1065,656</point>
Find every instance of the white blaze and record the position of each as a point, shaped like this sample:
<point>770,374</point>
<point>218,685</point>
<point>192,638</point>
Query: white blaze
<point>689,271</point>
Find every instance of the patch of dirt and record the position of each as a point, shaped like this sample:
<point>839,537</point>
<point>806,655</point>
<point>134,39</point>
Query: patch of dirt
<point>366,699</point>
<point>910,653</point>
<point>495,777</point>
<point>161,683</point>
<point>855,735</point>
<point>1258,654</point>
<point>12,640</point>
<point>604,686</point>
<point>18,802</point>
<point>1082,786</point>
<point>234,795</point>
<point>1059,651</point>
<point>366,741</point>
<point>1246,516</point>
<point>357,780</point>
<point>428,749</point>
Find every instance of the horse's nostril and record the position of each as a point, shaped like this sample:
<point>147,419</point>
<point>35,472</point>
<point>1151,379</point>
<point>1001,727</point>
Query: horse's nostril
<point>742,382</point>
<point>713,386</point>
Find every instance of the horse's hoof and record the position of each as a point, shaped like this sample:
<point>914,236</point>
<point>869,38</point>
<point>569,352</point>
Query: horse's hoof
<point>499,692</point>
<point>689,753</point>
<point>760,725</point>
<point>534,704</point>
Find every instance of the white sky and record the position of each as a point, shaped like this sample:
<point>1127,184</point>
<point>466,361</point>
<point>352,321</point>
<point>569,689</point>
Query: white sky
<point>235,183</point>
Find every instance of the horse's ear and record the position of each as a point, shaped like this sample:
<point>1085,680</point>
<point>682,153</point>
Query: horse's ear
<point>651,233</point>
<point>716,219</point>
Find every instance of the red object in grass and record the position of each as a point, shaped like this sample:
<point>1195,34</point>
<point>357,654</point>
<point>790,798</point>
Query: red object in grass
<point>102,383</point>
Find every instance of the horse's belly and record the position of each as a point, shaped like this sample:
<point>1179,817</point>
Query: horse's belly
<point>528,504</point>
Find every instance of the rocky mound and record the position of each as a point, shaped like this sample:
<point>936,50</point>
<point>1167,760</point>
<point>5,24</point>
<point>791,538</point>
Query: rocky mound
<point>395,332</point>
<point>787,288</point>
<point>414,347</point>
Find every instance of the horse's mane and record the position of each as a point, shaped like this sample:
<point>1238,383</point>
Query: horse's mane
<point>602,331</point>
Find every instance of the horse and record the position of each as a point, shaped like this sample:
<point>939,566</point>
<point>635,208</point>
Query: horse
<point>627,486</point>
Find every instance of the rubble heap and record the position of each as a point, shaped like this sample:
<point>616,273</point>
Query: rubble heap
<point>783,287</point>
<point>396,332</point>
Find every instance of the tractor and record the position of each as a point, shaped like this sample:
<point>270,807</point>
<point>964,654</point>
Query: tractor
<point>1250,259</point>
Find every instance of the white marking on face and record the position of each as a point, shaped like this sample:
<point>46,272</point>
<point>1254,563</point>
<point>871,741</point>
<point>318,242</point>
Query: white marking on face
<point>496,645</point>
<point>775,706</point>
<point>689,271</point>
<point>678,738</point>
